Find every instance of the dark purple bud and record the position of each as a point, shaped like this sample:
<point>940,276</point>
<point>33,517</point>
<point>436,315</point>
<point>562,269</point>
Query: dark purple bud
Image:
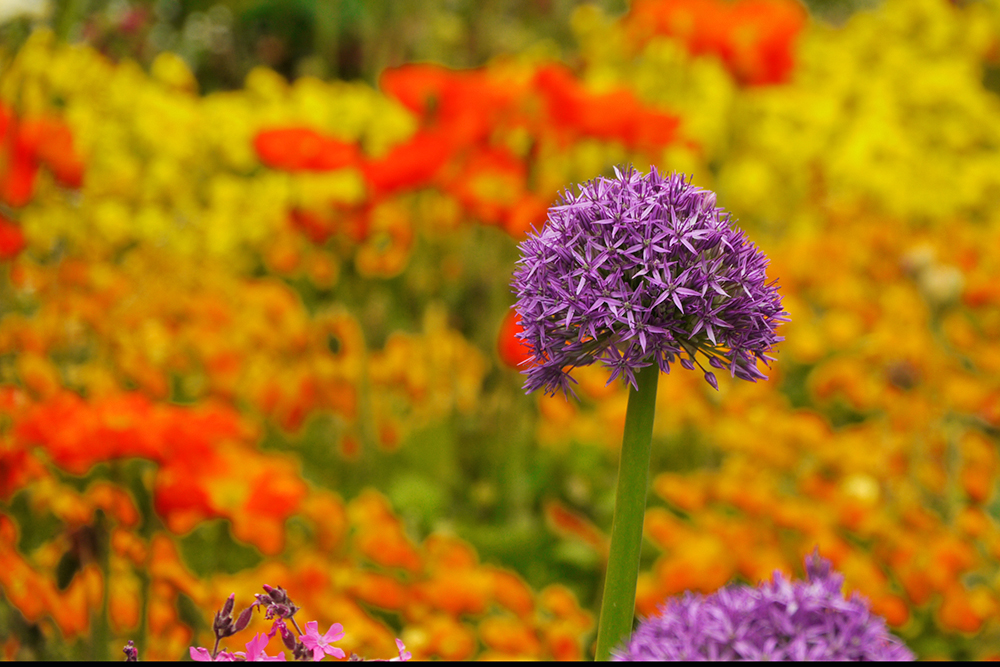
<point>277,611</point>
<point>244,619</point>
<point>278,595</point>
<point>131,652</point>
<point>227,608</point>
<point>287,637</point>
<point>710,377</point>
<point>222,626</point>
<point>300,652</point>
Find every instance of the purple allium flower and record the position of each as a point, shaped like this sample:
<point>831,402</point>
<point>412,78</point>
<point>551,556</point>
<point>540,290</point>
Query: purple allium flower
<point>778,620</point>
<point>320,644</point>
<point>639,269</point>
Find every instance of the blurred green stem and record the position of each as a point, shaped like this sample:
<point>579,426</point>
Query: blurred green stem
<point>618,605</point>
<point>69,14</point>
<point>100,629</point>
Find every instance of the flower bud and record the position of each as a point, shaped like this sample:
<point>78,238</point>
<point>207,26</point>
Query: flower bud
<point>710,378</point>
<point>278,595</point>
<point>244,619</point>
<point>287,637</point>
<point>227,608</point>
<point>222,626</point>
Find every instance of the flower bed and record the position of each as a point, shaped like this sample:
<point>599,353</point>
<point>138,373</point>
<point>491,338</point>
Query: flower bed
<point>259,336</point>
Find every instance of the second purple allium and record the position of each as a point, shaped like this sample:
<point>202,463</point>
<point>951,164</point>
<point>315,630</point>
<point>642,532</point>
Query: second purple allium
<point>641,269</point>
<point>778,620</point>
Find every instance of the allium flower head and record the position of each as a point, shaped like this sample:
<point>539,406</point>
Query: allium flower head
<point>641,269</point>
<point>778,620</point>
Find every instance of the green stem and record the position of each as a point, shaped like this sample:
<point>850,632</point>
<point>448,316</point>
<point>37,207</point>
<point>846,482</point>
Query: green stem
<point>618,605</point>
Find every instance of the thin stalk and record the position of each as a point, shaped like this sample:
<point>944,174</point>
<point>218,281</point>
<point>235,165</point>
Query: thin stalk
<point>618,605</point>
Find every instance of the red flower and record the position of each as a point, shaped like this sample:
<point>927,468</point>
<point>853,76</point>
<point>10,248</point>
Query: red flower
<point>489,183</point>
<point>512,350</point>
<point>29,143</point>
<point>753,38</point>
<point>615,115</point>
<point>411,164</point>
<point>50,143</point>
<point>11,239</point>
<point>303,149</point>
<point>466,105</point>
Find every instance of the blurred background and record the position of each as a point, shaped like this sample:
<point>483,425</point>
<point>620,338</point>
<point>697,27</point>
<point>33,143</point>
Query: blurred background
<point>344,39</point>
<point>255,316</point>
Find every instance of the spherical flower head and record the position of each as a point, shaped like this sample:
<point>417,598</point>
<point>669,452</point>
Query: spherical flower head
<point>777,620</point>
<point>642,269</point>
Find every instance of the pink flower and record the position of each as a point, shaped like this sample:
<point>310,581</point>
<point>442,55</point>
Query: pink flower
<point>200,654</point>
<point>404,655</point>
<point>255,650</point>
<point>320,644</point>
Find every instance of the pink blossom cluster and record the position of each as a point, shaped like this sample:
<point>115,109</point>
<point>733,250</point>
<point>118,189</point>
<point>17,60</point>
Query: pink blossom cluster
<point>308,645</point>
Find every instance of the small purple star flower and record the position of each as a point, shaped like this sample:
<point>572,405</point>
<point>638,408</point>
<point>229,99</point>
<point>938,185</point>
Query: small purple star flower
<point>641,269</point>
<point>320,644</point>
<point>778,620</point>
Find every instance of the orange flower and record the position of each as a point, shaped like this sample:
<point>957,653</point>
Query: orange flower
<point>416,86</point>
<point>512,350</point>
<point>559,601</point>
<point>411,164</point>
<point>455,591</point>
<point>616,115</point>
<point>329,517</point>
<point>124,605</point>
<point>129,545</point>
<point>957,611</point>
<point>511,591</point>
<point>379,590</point>
<point>527,213</point>
<point>50,142</point>
<point>28,144</point>
<point>509,635</point>
<point>753,38</point>
<point>563,641</point>
<point>466,105</point>
<point>17,469</point>
<point>116,502</point>
<point>12,240</point>
<point>380,535</point>
<point>488,183</point>
<point>892,608</point>
<point>303,149</point>
<point>569,524</point>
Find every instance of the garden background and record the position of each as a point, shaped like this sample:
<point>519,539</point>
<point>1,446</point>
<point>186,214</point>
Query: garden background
<point>254,315</point>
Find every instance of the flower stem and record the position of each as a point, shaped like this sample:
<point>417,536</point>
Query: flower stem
<point>618,605</point>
